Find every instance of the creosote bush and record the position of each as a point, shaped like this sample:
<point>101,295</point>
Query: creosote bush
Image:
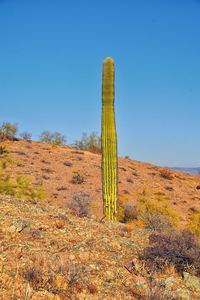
<point>90,143</point>
<point>80,204</point>
<point>8,131</point>
<point>54,138</point>
<point>181,249</point>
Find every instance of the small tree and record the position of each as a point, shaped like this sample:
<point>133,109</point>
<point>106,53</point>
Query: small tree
<point>8,131</point>
<point>89,143</point>
<point>54,138</point>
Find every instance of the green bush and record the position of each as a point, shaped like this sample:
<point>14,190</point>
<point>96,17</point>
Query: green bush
<point>20,188</point>
<point>90,143</point>
<point>55,138</point>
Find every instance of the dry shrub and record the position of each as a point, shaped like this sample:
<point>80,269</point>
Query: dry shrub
<point>123,200</point>
<point>34,272</point>
<point>159,293</point>
<point>130,213</point>
<point>181,249</point>
<point>77,178</point>
<point>166,174</point>
<point>26,136</point>
<point>80,204</point>
<point>67,163</point>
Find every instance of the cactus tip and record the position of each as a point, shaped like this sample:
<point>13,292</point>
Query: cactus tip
<point>108,59</point>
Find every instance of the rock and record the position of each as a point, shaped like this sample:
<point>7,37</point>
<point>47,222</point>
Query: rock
<point>190,281</point>
<point>110,275</point>
<point>18,226</point>
<point>116,245</point>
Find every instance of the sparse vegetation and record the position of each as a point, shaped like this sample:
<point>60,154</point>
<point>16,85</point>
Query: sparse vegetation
<point>90,143</point>
<point>80,204</point>
<point>26,136</point>
<point>180,249</point>
<point>8,131</point>
<point>155,213</point>
<point>149,212</point>
<point>20,187</point>
<point>155,292</point>
<point>54,138</point>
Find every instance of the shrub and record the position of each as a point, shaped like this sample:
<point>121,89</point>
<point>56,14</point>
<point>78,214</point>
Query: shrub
<point>8,131</point>
<point>182,249</point>
<point>123,200</point>
<point>194,222</point>
<point>130,213</point>
<point>166,174</point>
<point>80,204</point>
<point>159,293</point>
<point>156,220</point>
<point>90,143</point>
<point>77,178</point>
<point>3,149</point>
<point>21,188</point>
<point>26,136</point>
<point>155,213</point>
<point>55,138</point>
<point>67,163</point>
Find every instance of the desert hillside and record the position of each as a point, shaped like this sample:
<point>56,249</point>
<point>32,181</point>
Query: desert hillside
<point>51,250</point>
<point>62,170</point>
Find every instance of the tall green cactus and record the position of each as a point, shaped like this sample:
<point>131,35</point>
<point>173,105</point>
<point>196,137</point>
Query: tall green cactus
<point>109,143</point>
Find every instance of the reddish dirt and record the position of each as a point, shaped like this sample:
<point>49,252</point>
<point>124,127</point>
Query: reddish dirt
<point>53,167</point>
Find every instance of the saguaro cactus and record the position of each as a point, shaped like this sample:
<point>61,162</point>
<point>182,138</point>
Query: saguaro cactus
<point>109,143</point>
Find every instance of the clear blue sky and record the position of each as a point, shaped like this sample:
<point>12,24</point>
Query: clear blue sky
<point>51,55</point>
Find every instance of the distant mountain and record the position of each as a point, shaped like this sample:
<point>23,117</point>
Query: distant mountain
<point>193,171</point>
